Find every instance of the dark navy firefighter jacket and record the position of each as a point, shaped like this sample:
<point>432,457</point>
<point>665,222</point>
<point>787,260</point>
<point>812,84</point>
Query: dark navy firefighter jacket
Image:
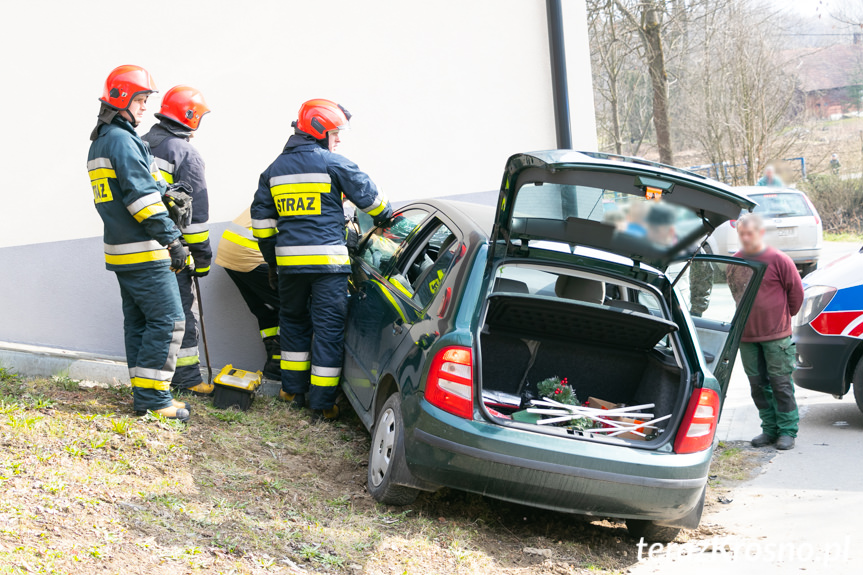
<point>178,160</point>
<point>297,213</point>
<point>127,190</point>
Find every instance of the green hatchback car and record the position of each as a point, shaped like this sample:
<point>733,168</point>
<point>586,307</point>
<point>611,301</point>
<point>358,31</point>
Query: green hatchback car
<point>466,323</point>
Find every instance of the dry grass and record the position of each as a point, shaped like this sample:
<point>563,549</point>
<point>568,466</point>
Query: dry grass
<point>87,488</point>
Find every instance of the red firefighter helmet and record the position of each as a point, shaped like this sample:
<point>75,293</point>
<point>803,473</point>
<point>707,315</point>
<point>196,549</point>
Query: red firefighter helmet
<point>185,105</point>
<point>317,117</point>
<point>124,83</point>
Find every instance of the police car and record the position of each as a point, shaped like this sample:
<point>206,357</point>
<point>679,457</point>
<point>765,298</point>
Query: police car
<point>829,329</point>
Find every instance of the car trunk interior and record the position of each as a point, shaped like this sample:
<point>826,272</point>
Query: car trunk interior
<point>621,356</point>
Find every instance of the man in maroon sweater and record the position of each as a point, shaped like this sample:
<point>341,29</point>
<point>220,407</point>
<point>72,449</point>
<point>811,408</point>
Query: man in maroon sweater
<point>766,349</point>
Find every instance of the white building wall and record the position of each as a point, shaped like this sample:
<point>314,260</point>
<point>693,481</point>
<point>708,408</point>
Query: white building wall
<point>442,93</point>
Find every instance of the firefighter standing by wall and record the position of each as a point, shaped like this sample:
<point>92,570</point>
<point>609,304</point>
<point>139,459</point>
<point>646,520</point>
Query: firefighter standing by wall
<point>241,257</point>
<point>142,244</point>
<point>299,222</point>
<point>179,161</point>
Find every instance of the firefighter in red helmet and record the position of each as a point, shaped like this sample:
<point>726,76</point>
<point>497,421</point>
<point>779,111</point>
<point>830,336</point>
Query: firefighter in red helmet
<point>179,161</point>
<point>299,222</point>
<point>142,244</point>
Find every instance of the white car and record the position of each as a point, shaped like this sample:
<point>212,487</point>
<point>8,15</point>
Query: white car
<point>793,226</point>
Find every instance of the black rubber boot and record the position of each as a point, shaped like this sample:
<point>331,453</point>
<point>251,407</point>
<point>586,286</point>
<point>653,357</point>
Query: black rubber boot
<point>785,442</point>
<point>763,440</point>
<point>273,367</point>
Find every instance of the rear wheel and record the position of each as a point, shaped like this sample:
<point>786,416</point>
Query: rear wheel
<point>806,269</point>
<point>858,387</point>
<point>386,456</point>
<point>650,531</point>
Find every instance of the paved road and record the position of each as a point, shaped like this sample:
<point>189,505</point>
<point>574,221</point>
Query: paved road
<point>803,513</point>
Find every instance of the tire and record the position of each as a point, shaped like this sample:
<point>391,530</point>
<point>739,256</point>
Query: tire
<point>650,531</point>
<point>386,456</point>
<point>807,269</point>
<point>858,394</point>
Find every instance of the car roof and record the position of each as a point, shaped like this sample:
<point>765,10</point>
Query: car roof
<point>759,190</point>
<point>466,215</point>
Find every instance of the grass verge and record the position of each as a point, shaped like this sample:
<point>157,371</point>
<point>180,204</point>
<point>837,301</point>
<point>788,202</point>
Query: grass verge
<point>88,488</point>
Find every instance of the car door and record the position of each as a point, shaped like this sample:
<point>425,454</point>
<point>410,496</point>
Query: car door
<point>374,308</point>
<point>718,292</point>
<point>396,304</point>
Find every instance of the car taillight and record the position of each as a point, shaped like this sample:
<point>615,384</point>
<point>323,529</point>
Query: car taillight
<point>814,211</point>
<point>699,422</point>
<point>450,381</point>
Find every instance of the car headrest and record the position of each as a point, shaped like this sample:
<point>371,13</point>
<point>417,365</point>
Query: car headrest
<point>581,289</point>
<point>511,286</point>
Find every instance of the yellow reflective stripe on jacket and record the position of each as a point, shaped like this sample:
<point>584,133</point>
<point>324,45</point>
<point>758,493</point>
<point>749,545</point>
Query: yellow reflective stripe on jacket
<point>312,255</point>
<point>137,258</point>
<point>378,206</point>
<point>151,383</point>
<point>303,188</point>
<point>146,206</point>
<point>269,332</point>
<point>264,228</point>
<point>135,253</point>
<point>236,238</point>
<point>313,260</point>
<point>166,168</point>
<point>149,212</point>
<point>102,173</point>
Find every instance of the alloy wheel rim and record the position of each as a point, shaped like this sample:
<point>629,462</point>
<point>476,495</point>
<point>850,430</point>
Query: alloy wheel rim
<point>383,446</point>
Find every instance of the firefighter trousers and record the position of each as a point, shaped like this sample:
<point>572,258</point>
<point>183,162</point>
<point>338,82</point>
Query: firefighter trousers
<point>153,324</point>
<point>312,329</point>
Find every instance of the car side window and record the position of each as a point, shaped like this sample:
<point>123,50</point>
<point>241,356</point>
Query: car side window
<point>421,274</point>
<point>383,242</point>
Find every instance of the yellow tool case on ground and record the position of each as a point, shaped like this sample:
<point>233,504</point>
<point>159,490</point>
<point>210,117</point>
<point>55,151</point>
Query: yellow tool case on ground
<point>235,387</point>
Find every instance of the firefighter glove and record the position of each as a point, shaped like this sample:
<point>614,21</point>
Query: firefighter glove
<point>178,255</point>
<point>352,236</point>
<point>384,215</point>
<point>179,203</point>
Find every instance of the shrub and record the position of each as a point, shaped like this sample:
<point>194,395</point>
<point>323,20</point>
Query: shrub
<point>839,202</point>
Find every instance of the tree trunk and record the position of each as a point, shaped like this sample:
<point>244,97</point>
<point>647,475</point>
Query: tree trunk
<point>659,83</point>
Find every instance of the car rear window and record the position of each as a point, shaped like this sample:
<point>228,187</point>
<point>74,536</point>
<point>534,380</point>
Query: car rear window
<point>781,205</point>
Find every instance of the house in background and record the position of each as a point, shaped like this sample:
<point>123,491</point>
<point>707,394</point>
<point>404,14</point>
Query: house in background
<point>831,79</point>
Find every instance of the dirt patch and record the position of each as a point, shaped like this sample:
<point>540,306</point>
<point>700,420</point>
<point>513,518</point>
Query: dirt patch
<point>87,488</point>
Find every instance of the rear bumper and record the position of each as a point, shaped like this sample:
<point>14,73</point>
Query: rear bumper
<point>822,360</point>
<point>804,255</point>
<point>554,473</point>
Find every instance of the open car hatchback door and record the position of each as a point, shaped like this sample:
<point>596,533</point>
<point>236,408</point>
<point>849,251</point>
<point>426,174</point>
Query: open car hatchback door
<point>643,211</point>
<point>719,292</point>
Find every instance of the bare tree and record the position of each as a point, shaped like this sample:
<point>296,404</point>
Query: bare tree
<point>746,95</point>
<point>622,99</point>
<point>646,17</point>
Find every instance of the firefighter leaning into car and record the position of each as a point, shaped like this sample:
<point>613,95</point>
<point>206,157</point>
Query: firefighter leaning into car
<point>142,244</point>
<point>240,256</point>
<point>179,161</point>
<point>299,222</point>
